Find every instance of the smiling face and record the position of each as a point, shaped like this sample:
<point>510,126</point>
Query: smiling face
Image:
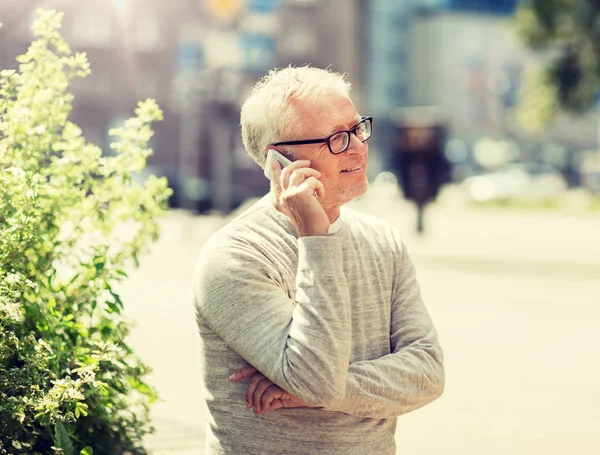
<point>344,175</point>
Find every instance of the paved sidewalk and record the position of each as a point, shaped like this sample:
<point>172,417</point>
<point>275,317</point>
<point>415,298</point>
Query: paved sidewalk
<point>491,234</point>
<point>481,271</point>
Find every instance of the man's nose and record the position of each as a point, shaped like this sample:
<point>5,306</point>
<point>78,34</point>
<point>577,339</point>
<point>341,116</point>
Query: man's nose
<point>356,146</point>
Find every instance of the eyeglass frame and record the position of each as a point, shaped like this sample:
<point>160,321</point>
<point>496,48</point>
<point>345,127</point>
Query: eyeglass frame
<point>326,139</point>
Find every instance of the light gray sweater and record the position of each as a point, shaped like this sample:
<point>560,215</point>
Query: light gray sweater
<point>338,321</point>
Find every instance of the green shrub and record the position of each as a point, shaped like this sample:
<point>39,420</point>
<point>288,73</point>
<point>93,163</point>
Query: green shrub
<point>72,221</point>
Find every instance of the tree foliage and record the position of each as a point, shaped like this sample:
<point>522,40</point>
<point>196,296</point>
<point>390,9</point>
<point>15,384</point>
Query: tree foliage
<point>72,221</point>
<point>568,32</point>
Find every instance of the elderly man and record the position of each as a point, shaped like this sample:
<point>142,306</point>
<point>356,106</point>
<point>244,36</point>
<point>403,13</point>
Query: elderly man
<point>314,335</point>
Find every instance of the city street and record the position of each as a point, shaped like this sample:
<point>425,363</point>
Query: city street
<point>452,91</point>
<point>516,299</point>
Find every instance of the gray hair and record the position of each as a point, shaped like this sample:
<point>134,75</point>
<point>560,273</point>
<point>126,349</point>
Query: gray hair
<point>268,115</point>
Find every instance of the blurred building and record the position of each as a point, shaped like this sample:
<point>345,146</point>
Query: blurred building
<point>130,45</point>
<point>469,64</point>
<point>198,59</point>
<point>466,58</point>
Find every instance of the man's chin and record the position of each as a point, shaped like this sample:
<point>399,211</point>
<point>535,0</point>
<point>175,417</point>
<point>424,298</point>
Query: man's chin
<point>356,191</point>
<point>361,191</point>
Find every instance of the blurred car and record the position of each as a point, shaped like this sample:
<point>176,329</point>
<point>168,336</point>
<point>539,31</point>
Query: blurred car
<point>591,181</point>
<point>589,170</point>
<point>534,181</point>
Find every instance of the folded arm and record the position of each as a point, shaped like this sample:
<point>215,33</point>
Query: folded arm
<point>413,374</point>
<point>302,346</point>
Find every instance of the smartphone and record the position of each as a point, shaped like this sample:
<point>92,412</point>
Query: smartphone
<point>274,155</point>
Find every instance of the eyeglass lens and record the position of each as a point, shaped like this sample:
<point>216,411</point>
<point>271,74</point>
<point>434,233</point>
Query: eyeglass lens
<point>339,142</point>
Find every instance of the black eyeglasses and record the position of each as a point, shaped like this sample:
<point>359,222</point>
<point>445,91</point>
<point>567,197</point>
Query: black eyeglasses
<point>339,141</point>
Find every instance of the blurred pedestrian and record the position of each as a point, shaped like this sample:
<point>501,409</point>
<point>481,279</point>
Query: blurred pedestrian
<point>309,313</point>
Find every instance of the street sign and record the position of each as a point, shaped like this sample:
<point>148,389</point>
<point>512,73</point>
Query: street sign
<point>189,57</point>
<point>263,6</point>
<point>258,51</point>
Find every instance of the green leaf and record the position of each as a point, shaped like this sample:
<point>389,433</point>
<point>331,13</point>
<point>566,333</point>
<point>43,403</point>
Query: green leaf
<point>87,451</point>
<point>62,438</point>
<point>61,207</point>
<point>99,266</point>
<point>117,298</point>
<point>112,307</point>
<point>80,409</point>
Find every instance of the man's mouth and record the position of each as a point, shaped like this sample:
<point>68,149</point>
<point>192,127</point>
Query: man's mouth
<point>353,169</point>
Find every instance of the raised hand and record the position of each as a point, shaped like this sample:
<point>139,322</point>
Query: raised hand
<point>297,190</point>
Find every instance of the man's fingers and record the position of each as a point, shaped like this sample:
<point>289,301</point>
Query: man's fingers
<point>286,172</point>
<point>313,186</point>
<point>252,387</point>
<point>320,191</point>
<point>271,394</point>
<point>259,392</point>
<point>242,374</point>
<point>276,167</point>
<point>302,174</point>
<point>276,404</point>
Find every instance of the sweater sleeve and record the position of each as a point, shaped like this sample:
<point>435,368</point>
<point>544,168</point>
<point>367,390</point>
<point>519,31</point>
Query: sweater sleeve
<point>412,375</point>
<point>303,346</point>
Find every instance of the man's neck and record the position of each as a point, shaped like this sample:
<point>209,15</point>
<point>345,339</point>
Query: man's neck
<point>333,214</point>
